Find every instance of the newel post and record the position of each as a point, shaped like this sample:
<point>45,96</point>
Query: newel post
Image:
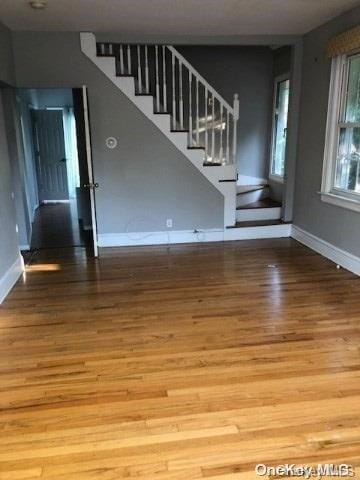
<point>236,118</point>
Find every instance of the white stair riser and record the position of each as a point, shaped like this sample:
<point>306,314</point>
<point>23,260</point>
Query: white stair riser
<point>163,122</point>
<point>250,214</point>
<point>251,197</point>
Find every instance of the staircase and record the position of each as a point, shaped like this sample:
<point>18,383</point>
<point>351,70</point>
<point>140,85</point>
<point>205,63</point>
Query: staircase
<point>179,101</point>
<point>253,204</point>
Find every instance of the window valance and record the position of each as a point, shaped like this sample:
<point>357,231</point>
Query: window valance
<point>344,43</point>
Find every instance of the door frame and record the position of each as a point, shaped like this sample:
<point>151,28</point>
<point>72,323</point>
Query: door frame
<point>277,80</point>
<point>92,184</point>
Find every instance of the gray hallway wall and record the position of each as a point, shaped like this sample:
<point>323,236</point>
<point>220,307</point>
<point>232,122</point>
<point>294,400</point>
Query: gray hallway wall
<point>338,226</point>
<point>145,180</point>
<point>7,71</point>
<point>9,251</point>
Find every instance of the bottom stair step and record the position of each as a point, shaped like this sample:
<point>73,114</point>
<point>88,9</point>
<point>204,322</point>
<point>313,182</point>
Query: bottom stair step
<point>257,230</point>
<point>263,210</point>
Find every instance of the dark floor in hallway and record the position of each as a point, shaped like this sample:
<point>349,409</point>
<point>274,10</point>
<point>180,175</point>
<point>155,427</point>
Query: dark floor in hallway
<point>56,225</point>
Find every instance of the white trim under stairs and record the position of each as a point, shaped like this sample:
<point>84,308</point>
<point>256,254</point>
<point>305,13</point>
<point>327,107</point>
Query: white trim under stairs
<point>10,277</point>
<point>193,236</point>
<point>340,257</point>
<point>222,177</point>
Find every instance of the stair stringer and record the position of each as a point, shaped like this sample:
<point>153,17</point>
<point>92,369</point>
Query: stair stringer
<point>221,177</point>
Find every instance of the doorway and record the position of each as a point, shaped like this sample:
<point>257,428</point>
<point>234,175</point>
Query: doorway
<point>56,142</point>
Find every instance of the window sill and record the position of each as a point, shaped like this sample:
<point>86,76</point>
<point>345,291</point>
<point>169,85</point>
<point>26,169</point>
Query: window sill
<point>340,201</point>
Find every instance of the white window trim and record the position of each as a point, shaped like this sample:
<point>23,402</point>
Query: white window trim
<point>278,79</point>
<point>328,193</point>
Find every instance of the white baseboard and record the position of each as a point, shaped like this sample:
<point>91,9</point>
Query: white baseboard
<point>340,257</point>
<point>159,238</point>
<point>189,236</point>
<point>247,180</point>
<point>46,202</point>
<point>24,248</point>
<point>10,277</point>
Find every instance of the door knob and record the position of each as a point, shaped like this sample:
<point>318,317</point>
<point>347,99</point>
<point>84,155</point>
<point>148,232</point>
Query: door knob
<point>91,185</point>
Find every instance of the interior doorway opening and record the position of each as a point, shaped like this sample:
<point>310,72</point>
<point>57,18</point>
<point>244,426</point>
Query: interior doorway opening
<point>57,170</point>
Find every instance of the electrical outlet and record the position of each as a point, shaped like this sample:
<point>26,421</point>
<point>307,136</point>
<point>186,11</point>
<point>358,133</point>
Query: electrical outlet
<point>169,223</point>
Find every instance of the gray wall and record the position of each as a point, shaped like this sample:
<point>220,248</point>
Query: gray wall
<point>8,237</point>
<point>336,225</point>
<point>247,71</point>
<point>7,72</point>
<point>9,251</point>
<point>145,180</point>
<point>16,156</point>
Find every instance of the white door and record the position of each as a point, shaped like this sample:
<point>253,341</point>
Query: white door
<point>50,155</point>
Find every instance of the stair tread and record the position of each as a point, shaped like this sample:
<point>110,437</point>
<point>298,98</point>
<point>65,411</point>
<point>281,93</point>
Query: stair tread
<point>264,203</point>
<point>257,223</point>
<point>241,189</point>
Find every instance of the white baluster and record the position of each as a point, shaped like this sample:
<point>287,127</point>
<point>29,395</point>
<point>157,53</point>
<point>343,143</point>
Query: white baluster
<point>121,60</point>
<point>139,68</point>
<point>173,91</point>
<point>236,118</point>
<point>221,151</point>
<point>197,113</point>
<point>206,122</point>
<point>102,49</point>
<point>147,70</point>
<point>157,78</point>
<point>164,78</point>
<point>190,111</point>
<point>111,51</point>
<point>213,128</point>
<point>228,137</point>
<point>181,113</point>
<point>129,59</point>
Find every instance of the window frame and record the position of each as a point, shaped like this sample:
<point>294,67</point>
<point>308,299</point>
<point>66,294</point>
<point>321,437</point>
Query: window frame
<point>277,80</point>
<point>335,121</point>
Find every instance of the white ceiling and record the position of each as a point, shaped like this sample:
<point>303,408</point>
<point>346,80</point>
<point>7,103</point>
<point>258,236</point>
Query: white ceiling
<point>177,17</point>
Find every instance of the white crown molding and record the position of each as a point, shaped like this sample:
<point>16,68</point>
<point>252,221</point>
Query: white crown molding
<point>10,277</point>
<point>337,255</point>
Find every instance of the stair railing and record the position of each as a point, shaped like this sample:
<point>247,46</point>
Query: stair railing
<point>179,90</point>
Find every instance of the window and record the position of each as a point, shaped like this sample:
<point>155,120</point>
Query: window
<point>341,175</point>
<point>279,129</point>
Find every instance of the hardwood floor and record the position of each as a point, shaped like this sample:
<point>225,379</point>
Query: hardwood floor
<point>197,361</point>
